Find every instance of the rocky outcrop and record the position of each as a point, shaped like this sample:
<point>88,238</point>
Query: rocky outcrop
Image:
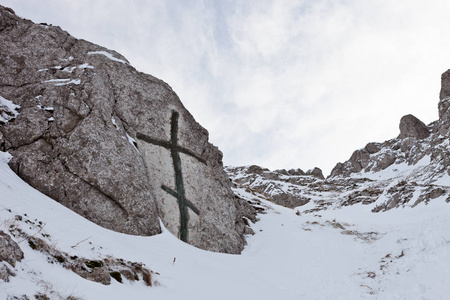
<point>316,172</point>
<point>406,171</point>
<point>280,186</point>
<point>111,143</point>
<point>415,142</point>
<point>381,192</point>
<point>100,270</point>
<point>444,104</point>
<point>9,250</point>
<point>410,126</point>
<point>10,253</point>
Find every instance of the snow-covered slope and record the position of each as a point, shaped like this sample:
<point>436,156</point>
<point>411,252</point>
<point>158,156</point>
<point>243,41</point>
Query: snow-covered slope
<point>343,253</point>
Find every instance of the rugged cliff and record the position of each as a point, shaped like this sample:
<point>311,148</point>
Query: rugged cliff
<point>111,143</point>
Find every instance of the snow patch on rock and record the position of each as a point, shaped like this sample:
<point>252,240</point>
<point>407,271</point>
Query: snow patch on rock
<point>63,81</point>
<point>8,110</point>
<point>108,55</point>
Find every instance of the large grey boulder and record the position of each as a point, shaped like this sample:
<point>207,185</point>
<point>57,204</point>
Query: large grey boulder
<point>316,172</point>
<point>410,126</point>
<point>111,143</point>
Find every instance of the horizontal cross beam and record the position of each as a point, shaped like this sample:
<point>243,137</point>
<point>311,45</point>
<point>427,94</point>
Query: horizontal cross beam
<point>188,203</point>
<point>169,146</point>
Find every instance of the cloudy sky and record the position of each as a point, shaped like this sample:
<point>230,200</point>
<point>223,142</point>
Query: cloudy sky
<point>281,84</point>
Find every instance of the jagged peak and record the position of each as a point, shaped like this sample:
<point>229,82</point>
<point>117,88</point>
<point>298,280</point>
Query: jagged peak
<point>410,126</point>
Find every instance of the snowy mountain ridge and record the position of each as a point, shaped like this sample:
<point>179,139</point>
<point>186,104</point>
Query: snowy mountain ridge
<point>376,234</point>
<point>404,171</point>
<point>347,252</point>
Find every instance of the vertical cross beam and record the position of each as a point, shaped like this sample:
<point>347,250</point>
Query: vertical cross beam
<point>179,192</point>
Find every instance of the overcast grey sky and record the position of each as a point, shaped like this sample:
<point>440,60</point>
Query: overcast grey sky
<point>281,84</point>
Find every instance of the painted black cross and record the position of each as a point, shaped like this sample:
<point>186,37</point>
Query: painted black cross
<point>175,151</point>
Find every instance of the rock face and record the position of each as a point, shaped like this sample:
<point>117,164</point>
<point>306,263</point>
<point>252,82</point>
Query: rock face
<point>280,186</point>
<point>316,172</point>
<point>444,104</point>
<point>9,252</point>
<point>113,144</point>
